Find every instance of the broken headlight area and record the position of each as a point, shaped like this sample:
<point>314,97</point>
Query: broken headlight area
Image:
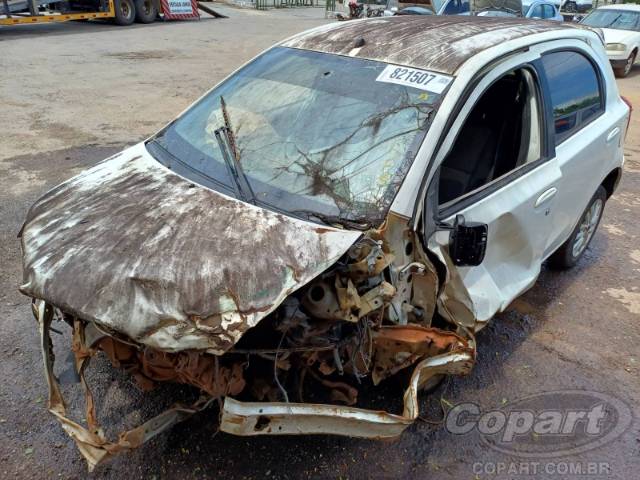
<point>302,368</point>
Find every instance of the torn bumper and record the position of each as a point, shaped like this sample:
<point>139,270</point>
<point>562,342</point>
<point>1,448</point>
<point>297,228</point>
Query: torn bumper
<point>258,418</point>
<point>242,418</point>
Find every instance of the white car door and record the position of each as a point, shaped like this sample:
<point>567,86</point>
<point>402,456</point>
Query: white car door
<point>515,200</point>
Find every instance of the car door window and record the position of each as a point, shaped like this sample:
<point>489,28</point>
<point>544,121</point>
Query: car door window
<point>501,133</point>
<point>547,11</point>
<point>536,12</point>
<point>576,94</point>
<point>453,8</point>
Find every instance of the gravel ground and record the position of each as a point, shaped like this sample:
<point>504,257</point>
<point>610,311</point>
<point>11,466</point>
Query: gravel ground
<point>77,93</point>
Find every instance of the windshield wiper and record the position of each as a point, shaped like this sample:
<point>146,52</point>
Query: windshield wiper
<point>231,137</point>
<point>357,223</point>
<point>228,162</point>
<point>228,144</point>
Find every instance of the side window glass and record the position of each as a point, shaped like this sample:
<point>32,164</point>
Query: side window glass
<point>501,133</point>
<point>575,91</point>
<point>548,11</point>
<point>464,6</point>
<point>452,8</point>
<point>536,12</point>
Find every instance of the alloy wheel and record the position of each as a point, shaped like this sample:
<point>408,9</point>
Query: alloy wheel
<point>588,226</point>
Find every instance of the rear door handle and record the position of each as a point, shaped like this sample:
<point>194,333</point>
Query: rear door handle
<point>546,196</point>
<point>613,134</point>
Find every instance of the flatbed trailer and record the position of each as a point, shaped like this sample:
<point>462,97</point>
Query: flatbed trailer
<point>123,12</point>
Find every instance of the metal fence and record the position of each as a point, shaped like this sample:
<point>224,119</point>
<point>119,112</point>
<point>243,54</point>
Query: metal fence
<point>265,4</point>
<point>330,6</point>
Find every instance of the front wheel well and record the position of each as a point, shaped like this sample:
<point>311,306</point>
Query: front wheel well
<point>610,183</point>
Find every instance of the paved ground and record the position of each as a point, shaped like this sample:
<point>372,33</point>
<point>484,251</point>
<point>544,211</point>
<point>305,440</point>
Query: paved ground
<point>72,94</point>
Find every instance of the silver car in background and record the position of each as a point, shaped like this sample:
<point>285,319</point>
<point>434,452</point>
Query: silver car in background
<point>620,25</point>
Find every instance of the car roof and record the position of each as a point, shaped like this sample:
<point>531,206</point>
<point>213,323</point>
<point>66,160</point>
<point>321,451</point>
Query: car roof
<point>438,43</point>
<point>629,6</point>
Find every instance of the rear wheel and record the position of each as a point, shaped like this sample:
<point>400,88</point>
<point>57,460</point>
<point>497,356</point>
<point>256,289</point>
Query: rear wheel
<point>146,11</point>
<point>125,12</point>
<point>624,71</point>
<point>571,7</point>
<point>571,250</point>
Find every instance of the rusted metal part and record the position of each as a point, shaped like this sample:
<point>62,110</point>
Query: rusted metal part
<point>439,43</point>
<point>342,301</point>
<point>376,298</point>
<point>91,440</point>
<point>134,247</point>
<point>398,347</point>
<point>149,366</point>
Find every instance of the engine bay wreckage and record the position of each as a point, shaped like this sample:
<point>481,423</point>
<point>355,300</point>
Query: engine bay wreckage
<point>259,311</point>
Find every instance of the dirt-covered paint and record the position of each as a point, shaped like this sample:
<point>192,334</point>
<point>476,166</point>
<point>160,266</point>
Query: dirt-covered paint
<point>136,248</point>
<point>439,43</point>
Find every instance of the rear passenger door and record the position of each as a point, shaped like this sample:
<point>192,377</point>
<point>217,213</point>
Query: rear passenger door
<point>582,134</point>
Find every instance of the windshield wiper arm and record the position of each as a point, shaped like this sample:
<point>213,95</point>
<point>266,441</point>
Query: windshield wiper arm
<point>357,223</point>
<point>231,137</point>
<point>229,163</point>
<point>238,173</point>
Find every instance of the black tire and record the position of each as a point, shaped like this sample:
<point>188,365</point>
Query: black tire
<point>125,12</point>
<point>570,251</point>
<point>624,71</point>
<point>571,7</point>
<point>146,11</point>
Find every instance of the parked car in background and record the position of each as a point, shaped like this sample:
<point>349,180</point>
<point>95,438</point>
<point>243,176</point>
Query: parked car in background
<point>537,9</point>
<point>415,10</point>
<point>576,6</point>
<point>541,10</point>
<point>490,8</point>
<point>620,25</point>
<point>437,7</point>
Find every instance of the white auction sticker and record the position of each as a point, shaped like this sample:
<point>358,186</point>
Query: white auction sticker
<point>413,77</point>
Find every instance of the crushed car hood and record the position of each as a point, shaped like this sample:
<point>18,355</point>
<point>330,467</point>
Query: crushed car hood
<point>142,251</point>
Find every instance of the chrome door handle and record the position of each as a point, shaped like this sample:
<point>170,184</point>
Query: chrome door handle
<point>613,134</point>
<point>546,196</point>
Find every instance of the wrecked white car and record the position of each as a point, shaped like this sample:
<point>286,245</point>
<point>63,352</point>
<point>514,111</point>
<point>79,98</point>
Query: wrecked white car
<point>352,205</point>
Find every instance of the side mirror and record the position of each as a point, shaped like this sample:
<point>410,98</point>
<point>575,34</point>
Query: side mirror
<point>468,242</point>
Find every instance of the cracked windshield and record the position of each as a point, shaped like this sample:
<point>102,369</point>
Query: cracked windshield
<point>315,135</point>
